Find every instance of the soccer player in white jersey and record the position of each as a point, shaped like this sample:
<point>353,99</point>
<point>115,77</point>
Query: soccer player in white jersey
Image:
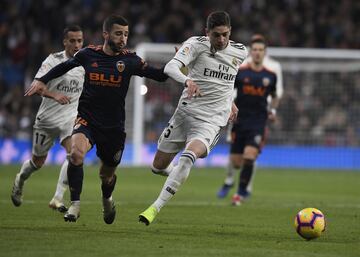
<point>55,117</point>
<point>274,66</point>
<point>206,104</point>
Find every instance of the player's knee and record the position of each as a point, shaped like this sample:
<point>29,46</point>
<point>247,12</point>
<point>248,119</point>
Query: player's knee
<point>38,161</point>
<point>249,162</point>
<point>237,165</point>
<point>106,178</point>
<point>77,156</point>
<point>159,164</point>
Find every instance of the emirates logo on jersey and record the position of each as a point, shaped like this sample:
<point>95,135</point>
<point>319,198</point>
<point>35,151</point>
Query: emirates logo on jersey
<point>120,65</point>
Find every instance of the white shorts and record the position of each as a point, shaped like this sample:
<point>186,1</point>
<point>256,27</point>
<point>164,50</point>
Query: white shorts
<point>44,138</point>
<point>183,129</point>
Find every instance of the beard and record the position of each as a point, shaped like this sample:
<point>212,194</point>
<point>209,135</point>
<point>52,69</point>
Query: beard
<point>113,46</point>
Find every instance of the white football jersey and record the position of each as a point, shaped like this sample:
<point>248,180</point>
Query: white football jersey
<point>215,75</point>
<point>51,114</point>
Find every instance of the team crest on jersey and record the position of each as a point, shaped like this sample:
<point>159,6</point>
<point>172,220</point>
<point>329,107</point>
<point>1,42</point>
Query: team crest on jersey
<point>266,82</point>
<point>246,80</point>
<point>44,68</point>
<point>120,65</point>
<point>185,51</point>
<point>235,61</point>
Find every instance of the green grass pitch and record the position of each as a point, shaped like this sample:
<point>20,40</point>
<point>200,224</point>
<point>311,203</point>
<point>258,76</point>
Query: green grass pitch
<point>194,223</point>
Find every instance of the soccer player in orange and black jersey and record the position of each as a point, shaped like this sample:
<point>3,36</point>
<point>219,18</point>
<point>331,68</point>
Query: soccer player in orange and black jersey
<point>254,84</point>
<point>101,110</point>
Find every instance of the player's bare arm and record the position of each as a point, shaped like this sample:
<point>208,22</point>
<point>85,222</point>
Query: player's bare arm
<point>58,97</point>
<point>234,113</point>
<point>39,88</point>
<point>36,88</point>
<point>272,108</point>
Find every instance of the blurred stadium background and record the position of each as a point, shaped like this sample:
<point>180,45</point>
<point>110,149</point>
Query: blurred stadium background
<point>317,43</point>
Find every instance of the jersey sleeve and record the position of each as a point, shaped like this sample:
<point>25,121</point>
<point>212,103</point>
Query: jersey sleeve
<point>142,69</point>
<point>188,52</point>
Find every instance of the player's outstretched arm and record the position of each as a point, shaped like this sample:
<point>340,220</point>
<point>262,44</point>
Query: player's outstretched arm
<point>173,70</point>
<point>36,88</point>
<point>39,88</point>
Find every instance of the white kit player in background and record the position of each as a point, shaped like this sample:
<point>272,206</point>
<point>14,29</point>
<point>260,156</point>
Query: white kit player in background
<point>205,106</point>
<point>55,118</point>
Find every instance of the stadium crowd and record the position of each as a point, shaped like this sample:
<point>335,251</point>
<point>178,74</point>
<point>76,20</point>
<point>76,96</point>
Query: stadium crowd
<point>30,30</point>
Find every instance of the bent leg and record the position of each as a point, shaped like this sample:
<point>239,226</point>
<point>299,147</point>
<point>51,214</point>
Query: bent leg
<point>180,173</point>
<point>162,164</point>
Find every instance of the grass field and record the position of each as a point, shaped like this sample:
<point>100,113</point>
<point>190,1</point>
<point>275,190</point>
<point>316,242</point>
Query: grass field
<point>194,223</point>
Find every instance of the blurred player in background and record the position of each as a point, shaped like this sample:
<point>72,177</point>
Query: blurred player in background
<point>101,111</point>
<point>257,99</point>
<point>206,104</point>
<point>54,120</point>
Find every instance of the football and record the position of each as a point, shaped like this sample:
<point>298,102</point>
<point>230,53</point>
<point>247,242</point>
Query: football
<point>310,223</point>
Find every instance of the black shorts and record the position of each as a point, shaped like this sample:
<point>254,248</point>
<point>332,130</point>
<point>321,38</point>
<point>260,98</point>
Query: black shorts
<point>109,143</point>
<point>240,138</point>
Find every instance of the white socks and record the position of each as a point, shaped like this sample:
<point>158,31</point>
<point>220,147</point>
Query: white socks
<point>62,181</point>
<point>230,175</point>
<point>27,169</point>
<point>176,178</point>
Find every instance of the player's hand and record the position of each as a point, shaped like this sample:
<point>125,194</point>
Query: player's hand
<point>272,115</point>
<point>36,87</point>
<point>61,99</point>
<point>234,113</point>
<point>193,89</point>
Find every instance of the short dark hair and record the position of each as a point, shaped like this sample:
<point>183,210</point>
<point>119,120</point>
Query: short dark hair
<point>218,18</point>
<point>72,28</point>
<point>114,19</point>
<point>258,38</point>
